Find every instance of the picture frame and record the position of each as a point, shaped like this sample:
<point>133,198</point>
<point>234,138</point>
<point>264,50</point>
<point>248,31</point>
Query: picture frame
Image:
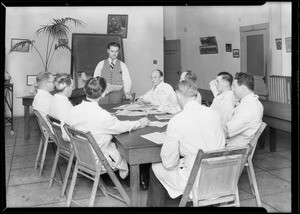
<point>30,79</point>
<point>208,49</point>
<point>278,43</point>
<point>288,44</point>
<point>24,48</point>
<point>117,24</point>
<point>228,47</point>
<point>235,53</point>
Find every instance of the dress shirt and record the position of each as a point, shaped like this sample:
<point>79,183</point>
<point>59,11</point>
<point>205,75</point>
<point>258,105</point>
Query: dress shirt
<point>42,101</point>
<point>195,127</point>
<point>125,74</point>
<point>89,116</point>
<point>161,95</point>
<point>224,104</point>
<point>59,109</point>
<point>246,119</point>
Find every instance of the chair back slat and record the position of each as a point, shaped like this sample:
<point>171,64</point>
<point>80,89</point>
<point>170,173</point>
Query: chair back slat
<point>214,174</point>
<point>82,147</point>
<point>254,140</point>
<point>56,126</point>
<point>218,177</point>
<point>44,127</point>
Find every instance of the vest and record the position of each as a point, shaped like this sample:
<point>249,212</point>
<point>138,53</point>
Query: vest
<point>113,77</point>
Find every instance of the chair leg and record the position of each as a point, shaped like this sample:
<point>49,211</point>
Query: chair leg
<point>69,198</point>
<point>94,189</point>
<point>54,168</point>
<point>38,153</point>
<point>101,186</point>
<point>44,155</point>
<point>250,179</point>
<point>252,174</point>
<point>67,174</point>
<point>237,198</point>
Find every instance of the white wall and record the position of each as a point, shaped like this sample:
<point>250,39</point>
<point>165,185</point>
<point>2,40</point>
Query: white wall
<point>144,42</point>
<point>224,22</point>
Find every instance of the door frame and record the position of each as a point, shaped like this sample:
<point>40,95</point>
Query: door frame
<point>267,51</point>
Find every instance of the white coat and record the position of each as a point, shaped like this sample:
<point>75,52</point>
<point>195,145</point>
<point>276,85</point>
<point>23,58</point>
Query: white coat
<point>195,127</point>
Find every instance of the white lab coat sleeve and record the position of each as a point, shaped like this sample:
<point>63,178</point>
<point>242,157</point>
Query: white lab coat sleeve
<point>98,69</point>
<point>115,126</point>
<point>170,149</point>
<point>239,122</point>
<point>147,97</point>
<point>126,78</point>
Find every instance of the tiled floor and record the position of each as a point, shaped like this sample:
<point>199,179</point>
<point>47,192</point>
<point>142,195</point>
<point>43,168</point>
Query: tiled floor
<point>24,187</point>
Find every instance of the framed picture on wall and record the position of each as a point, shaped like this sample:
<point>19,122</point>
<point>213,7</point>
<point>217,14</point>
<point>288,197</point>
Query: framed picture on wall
<point>288,44</point>
<point>19,48</point>
<point>117,24</point>
<point>228,47</point>
<point>278,43</point>
<point>235,53</point>
<point>30,80</point>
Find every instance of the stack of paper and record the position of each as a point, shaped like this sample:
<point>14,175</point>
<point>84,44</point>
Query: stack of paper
<point>164,117</point>
<point>125,112</point>
<point>157,123</point>
<point>156,137</point>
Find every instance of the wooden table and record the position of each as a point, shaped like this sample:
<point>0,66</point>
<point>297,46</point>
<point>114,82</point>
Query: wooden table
<point>137,150</point>
<point>276,116</point>
<point>76,97</point>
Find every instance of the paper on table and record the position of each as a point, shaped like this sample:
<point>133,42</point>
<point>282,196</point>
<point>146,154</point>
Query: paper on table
<point>131,113</point>
<point>138,107</point>
<point>121,107</point>
<point>157,123</point>
<point>156,137</point>
<point>164,117</point>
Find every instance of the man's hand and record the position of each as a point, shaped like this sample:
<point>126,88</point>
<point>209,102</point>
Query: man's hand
<point>144,122</point>
<point>140,100</point>
<point>128,96</point>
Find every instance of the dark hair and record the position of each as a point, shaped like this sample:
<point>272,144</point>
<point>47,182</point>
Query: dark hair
<point>187,88</point>
<point>245,79</point>
<point>160,72</point>
<point>113,44</point>
<point>43,76</point>
<point>94,87</point>
<point>190,76</point>
<point>62,81</point>
<point>226,76</point>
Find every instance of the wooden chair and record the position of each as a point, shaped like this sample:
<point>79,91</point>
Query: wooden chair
<point>214,178</point>
<point>86,165</point>
<point>248,163</point>
<point>46,138</point>
<point>64,150</point>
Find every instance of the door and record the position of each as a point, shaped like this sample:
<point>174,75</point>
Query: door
<point>255,55</point>
<point>172,62</point>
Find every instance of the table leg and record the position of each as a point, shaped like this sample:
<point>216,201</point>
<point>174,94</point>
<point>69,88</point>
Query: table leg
<point>135,184</point>
<point>26,122</point>
<point>272,139</point>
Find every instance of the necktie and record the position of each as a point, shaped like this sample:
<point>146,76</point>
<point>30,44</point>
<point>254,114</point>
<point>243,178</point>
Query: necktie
<point>112,65</point>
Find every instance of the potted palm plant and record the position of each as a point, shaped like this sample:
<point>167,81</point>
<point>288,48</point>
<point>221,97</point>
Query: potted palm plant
<point>57,29</point>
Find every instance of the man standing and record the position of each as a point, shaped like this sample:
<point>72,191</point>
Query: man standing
<point>225,100</point>
<point>247,115</point>
<point>195,127</point>
<point>116,74</point>
<point>161,95</point>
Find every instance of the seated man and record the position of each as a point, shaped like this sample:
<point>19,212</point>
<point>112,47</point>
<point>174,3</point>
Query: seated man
<point>247,115</point>
<point>195,127</point>
<point>43,98</point>
<point>225,100</point>
<point>61,105</point>
<point>191,76</point>
<point>161,95</point>
<point>89,116</point>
